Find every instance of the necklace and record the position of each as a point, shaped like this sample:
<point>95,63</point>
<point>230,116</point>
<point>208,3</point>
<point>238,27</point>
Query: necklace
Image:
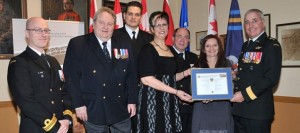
<point>161,47</point>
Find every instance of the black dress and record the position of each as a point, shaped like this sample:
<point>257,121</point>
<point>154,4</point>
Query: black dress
<point>157,111</point>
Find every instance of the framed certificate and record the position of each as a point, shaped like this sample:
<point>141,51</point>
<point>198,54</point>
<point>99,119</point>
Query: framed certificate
<point>211,83</point>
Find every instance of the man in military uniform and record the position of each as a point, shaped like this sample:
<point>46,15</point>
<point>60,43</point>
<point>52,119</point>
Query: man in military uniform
<point>259,68</point>
<point>185,60</point>
<point>36,83</point>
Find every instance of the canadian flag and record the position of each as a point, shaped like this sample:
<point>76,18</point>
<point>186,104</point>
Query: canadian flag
<point>93,8</point>
<point>166,8</point>
<point>118,12</point>
<point>144,25</point>
<point>212,18</point>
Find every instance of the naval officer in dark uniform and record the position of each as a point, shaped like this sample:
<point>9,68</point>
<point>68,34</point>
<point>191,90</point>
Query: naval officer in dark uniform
<point>185,60</point>
<point>259,68</point>
<point>36,83</point>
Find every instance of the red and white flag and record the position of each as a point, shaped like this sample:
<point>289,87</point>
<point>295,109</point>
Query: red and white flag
<point>144,25</point>
<point>212,18</point>
<point>166,8</point>
<point>118,12</point>
<point>93,9</point>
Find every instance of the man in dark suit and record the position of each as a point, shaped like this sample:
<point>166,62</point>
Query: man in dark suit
<point>258,73</point>
<point>185,60</point>
<point>101,77</point>
<point>131,30</point>
<point>132,16</point>
<point>36,84</point>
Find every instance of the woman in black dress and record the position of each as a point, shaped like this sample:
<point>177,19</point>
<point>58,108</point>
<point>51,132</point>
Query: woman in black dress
<point>212,116</point>
<point>158,109</point>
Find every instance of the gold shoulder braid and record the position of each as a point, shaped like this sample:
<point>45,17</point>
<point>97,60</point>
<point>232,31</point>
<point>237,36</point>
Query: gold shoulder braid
<point>68,112</point>
<point>49,123</point>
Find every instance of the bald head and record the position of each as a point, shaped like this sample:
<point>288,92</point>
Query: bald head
<point>30,23</point>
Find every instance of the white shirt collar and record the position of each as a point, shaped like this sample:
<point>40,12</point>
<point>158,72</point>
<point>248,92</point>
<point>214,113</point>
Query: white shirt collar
<point>38,52</point>
<point>129,31</point>
<point>108,45</point>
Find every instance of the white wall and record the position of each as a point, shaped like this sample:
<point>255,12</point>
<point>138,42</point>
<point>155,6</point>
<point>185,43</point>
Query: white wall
<point>282,11</point>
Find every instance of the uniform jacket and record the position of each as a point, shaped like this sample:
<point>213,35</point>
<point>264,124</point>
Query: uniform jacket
<point>105,88</point>
<point>142,39</point>
<point>259,68</point>
<point>38,91</point>
<point>184,84</point>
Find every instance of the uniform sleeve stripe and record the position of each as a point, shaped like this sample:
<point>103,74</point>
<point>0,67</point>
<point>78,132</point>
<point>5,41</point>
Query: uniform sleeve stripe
<point>49,124</point>
<point>68,112</point>
<point>250,93</point>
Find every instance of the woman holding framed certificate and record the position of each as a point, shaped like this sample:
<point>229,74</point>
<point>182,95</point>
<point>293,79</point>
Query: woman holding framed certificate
<point>212,116</point>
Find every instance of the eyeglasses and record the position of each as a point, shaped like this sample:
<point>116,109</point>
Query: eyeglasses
<point>39,30</point>
<point>161,25</point>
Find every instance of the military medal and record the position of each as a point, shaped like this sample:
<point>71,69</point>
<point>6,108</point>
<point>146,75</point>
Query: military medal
<point>116,53</point>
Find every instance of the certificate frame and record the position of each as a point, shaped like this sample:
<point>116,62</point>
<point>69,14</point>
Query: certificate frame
<point>226,96</point>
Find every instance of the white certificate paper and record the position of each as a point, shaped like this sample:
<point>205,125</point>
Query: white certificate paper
<point>212,83</point>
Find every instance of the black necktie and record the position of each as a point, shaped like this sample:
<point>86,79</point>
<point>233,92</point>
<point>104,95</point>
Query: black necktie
<point>181,55</point>
<point>133,37</point>
<point>250,42</point>
<point>105,51</point>
<point>45,61</point>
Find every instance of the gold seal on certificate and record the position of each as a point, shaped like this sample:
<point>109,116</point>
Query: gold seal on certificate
<point>211,83</point>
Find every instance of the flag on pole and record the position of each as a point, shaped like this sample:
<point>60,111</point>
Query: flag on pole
<point>118,12</point>
<point>93,8</point>
<point>144,25</point>
<point>234,39</point>
<point>212,18</point>
<point>184,23</point>
<point>166,8</point>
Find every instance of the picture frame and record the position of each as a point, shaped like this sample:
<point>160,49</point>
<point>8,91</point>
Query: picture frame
<point>267,18</point>
<point>13,9</point>
<point>199,36</point>
<point>211,84</point>
<point>288,35</point>
<point>52,8</point>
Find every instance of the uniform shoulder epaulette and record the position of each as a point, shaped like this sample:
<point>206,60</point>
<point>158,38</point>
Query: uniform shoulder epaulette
<point>274,41</point>
<point>12,61</point>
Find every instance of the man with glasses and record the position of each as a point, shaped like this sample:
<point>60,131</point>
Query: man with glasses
<point>36,83</point>
<point>185,60</point>
<point>101,77</point>
<point>69,14</point>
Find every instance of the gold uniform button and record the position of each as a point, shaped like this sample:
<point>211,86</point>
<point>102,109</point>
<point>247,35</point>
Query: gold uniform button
<point>94,71</point>
<point>50,90</point>
<point>60,89</point>
<point>241,69</point>
<point>119,96</point>
<point>52,102</point>
<point>124,70</point>
<point>54,114</point>
<point>62,101</point>
<point>104,84</point>
<point>181,85</point>
<point>104,97</point>
<point>120,84</point>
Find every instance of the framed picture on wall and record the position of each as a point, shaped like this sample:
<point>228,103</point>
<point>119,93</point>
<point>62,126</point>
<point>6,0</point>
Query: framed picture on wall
<point>288,35</point>
<point>10,9</point>
<point>199,36</point>
<point>51,9</point>
<point>267,18</point>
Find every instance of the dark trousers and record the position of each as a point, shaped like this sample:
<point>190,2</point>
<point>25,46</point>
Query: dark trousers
<point>244,125</point>
<point>120,127</point>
